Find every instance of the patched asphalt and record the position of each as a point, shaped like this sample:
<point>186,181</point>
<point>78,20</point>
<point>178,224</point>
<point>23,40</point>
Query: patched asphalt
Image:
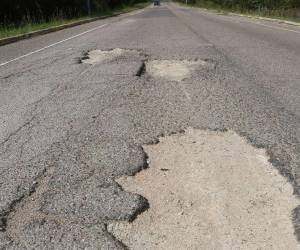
<point>69,129</point>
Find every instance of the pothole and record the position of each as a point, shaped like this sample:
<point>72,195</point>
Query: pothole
<point>209,190</point>
<point>174,70</point>
<point>3,224</point>
<point>142,69</point>
<point>99,56</point>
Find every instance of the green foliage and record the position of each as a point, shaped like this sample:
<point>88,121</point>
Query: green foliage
<point>255,4</point>
<point>277,8</point>
<point>20,12</point>
<point>14,30</point>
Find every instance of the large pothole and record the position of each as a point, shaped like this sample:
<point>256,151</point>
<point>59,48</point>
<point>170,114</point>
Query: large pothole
<point>174,70</point>
<point>99,56</point>
<point>209,190</point>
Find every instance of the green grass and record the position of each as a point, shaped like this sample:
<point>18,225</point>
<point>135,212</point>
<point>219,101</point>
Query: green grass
<point>287,15</point>
<point>11,30</point>
<point>30,27</point>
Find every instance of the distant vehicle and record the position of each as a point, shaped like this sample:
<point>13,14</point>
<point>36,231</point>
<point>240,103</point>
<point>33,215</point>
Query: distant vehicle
<point>156,2</point>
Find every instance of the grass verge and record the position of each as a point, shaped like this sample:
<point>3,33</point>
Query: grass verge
<point>281,14</point>
<point>12,30</point>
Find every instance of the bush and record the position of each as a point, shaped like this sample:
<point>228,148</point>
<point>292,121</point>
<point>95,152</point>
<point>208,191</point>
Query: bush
<point>284,8</point>
<point>22,11</point>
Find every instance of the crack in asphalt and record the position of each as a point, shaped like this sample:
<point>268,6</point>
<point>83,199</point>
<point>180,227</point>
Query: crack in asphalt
<point>16,132</point>
<point>25,198</point>
<point>142,69</point>
<point>13,206</point>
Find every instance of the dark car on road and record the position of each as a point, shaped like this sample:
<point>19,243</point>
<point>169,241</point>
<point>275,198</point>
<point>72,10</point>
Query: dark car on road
<point>156,2</point>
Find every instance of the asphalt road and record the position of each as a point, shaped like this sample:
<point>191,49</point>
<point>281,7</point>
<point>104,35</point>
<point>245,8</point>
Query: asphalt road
<point>68,129</point>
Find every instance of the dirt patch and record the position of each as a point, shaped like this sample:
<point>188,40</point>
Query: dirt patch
<point>174,70</point>
<point>99,56</point>
<point>209,190</point>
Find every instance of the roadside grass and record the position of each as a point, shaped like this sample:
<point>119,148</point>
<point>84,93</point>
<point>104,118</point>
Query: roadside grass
<point>13,30</point>
<point>282,14</point>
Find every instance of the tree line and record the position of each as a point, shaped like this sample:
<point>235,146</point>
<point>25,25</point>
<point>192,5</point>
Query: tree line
<point>284,8</point>
<point>259,4</point>
<point>22,11</point>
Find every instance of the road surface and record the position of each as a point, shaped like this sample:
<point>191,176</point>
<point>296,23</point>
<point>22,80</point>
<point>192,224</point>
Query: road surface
<point>69,128</point>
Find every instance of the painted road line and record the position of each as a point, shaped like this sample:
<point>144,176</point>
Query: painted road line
<point>52,45</point>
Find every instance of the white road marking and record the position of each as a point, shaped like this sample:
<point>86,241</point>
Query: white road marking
<point>52,45</point>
